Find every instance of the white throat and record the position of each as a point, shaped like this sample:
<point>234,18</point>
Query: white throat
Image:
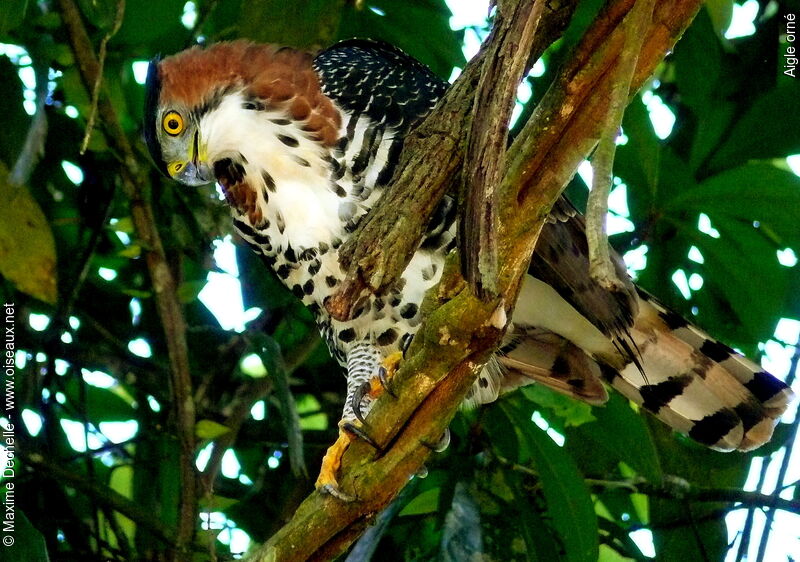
<point>302,202</point>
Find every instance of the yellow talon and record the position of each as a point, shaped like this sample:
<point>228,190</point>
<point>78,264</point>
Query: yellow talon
<point>391,362</point>
<point>386,372</point>
<point>326,481</point>
<point>332,462</point>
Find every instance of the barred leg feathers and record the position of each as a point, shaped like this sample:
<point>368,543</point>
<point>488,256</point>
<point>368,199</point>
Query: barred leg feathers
<point>692,382</point>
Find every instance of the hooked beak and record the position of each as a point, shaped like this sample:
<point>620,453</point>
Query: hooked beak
<point>197,171</point>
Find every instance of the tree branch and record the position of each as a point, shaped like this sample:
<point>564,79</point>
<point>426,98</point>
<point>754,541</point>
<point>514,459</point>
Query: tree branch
<point>377,253</point>
<point>679,489</point>
<point>461,331</point>
<point>103,495</point>
<point>246,396</point>
<point>601,267</point>
<point>164,285</point>
<point>33,147</point>
<point>506,60</point>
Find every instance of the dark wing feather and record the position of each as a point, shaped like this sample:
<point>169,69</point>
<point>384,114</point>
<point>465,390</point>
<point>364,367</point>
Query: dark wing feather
<point>378,80</point>
<point>561,260</point>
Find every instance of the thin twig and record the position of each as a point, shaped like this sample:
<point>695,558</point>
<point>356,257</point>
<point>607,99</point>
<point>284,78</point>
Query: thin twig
<point>688,491</point>
<point>206,9</point>
<point>246,396</point>
<point>601,267</point>
<point>103,495</point>
<point>101,59</point>
<point>787,458</point>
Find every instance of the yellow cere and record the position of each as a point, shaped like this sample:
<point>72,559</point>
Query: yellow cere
<point>174,167</point>
<point>173,123</point>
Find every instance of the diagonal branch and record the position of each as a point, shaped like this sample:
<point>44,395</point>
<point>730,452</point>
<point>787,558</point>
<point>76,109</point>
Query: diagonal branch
<point>461,331</point>
<point>103,495</point>
<point>680,489</point>
<point>164,285</point>
<point>377,253</point>
<point>488,136</point>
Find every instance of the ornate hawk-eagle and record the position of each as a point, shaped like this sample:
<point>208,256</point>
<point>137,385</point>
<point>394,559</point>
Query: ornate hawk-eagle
<point>304,146</point>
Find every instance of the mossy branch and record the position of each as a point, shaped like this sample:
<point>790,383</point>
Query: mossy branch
<point>461,331</point>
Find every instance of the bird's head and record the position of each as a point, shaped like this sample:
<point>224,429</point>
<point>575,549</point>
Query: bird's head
<point>172,133</point>
<point>207,106</point>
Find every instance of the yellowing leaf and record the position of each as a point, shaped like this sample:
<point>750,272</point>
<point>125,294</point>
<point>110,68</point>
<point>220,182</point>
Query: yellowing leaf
<point>125,224</point>
<point>130,252</point>
<point>207,429</point>
<point>216,503</point>
<point>27,248</point>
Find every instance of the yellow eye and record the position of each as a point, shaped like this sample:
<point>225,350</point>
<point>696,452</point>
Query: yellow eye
<point>174,168</point>
<point>173,123</point>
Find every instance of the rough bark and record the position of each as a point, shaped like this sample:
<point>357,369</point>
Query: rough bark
<point>487,140</point>
<point>378,252</point>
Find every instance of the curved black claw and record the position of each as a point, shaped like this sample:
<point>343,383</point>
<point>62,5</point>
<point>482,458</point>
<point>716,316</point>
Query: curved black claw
<point>336,493</point>
<point>361,434</point>
<point>355,402</point>
<point>441,445</point>
<point>385,383</point>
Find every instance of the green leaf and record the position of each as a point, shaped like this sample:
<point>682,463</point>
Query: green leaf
<point>608,554</point>
<point>132,252</point>
<point>270,353</point>
<point>632,441</point>
<point>757,191</point>
<point>189,290</point>
<point>432,42</point>
<point>27,247</point>
<point>541,544</point>
<point>569,502</point>
<point>209,429</point>
<point>721,13</point>
<point>101,404</point>
<point>426,502</point>
<point>215,502</point>
<point>573,412</point>
<point>503,434</point>
<point>12,15</point>
<point>699,63</point>
<point>685,531</point>
<point>121,480</point>
<point>15,119</point>
<point>28,543</point>
<point>308,24</point>
<point>770,128</point>
<point>741,250</point>
<point>125,224</point>
<point>307,403</point>
<point>159,31</point>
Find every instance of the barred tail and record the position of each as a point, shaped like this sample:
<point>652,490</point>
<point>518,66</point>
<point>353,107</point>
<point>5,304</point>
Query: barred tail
<point>687,379</point>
